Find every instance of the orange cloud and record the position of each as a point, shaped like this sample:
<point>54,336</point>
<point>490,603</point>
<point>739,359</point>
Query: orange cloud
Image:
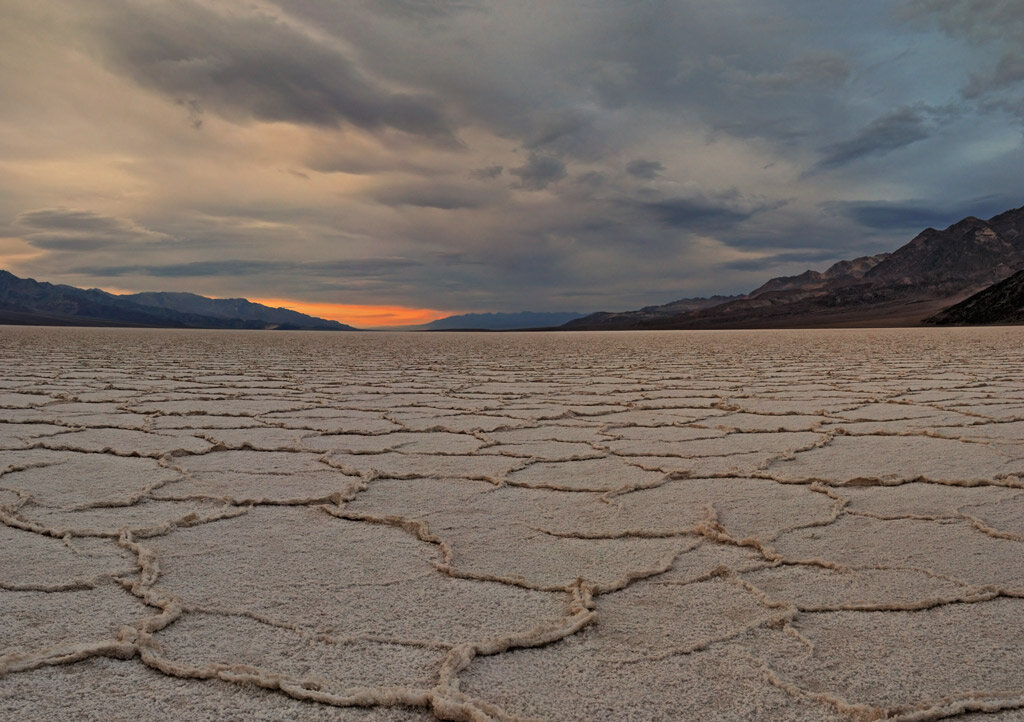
<point>359,316</point>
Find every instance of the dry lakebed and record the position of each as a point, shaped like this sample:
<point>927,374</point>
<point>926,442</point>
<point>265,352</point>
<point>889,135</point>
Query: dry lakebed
<point>792,525</point>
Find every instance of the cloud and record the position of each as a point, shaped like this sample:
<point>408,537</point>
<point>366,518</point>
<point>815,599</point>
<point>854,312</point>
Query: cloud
<point>424,9</point>
<point>192,269</point>
<point>646,169</point>
<point>995,28</point>
<point>827,70</point>
<point>882,136</point>
<point>702,213</point>
<point>539,172</point>
<point>354,268</point>
<point>556,128</point>
<point>195,112</point>
<point>774,260</point>
<point>592,180</point>
<point>489,173</point>
<point>221,127</point>
<point>916,215</point>
<point>885,215</point>
<point>979,20</point>
<point>63,229</point>
<point>1009,71</point>
<point>431,194</point>
<point>247,64</point>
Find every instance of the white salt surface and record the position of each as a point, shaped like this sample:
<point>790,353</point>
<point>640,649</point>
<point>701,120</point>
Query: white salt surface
<point>821,525</point>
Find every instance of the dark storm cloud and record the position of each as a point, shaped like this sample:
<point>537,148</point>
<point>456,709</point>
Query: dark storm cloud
<point>646,169</point>
<point>247,64</point>
<point>886,215</point>
<point>539,171</point>
<point>63,229</point>
<point>700,214</point>
<point>917,215</point>
<point>884,135</point>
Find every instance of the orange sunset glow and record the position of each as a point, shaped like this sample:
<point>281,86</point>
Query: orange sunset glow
<point>359,316</point>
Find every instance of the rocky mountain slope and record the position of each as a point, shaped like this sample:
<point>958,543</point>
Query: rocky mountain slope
<point>1000,303</point>
<point>931,272</point>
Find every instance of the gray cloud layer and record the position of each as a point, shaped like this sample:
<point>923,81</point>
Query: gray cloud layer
<point>62,229</point>
<point>882,136</point>
<point>254,65</point>
<point>483,155</point>
<point>539,171</point>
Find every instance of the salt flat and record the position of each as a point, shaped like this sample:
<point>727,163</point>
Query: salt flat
<point>807,525</point>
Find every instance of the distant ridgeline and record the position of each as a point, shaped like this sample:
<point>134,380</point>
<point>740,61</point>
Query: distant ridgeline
<point>26,301</point>
<point>499,321</point>
<point>924,279</point>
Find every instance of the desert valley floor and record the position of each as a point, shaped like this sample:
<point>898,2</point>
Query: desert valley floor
<point>637,526</point>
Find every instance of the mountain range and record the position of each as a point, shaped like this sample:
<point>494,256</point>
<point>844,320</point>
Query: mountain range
<point>935,270</point>
<point>970,272</point>
<point>27,301</point>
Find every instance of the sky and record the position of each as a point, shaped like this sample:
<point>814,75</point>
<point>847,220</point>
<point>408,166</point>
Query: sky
<point>401,160</point>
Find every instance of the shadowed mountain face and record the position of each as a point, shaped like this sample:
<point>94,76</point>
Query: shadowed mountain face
<point>26,301</point>
<point>932,271</point>
<point>1002,302</point>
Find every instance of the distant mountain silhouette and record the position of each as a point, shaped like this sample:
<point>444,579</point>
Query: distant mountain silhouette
<point>232,308</point>
<point>27,301</point>
<point>499,321</point>
<point>931,272</point>
<point>636,319</point>
<point>1000,303</point>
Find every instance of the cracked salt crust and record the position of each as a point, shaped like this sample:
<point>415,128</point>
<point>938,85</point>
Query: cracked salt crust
<point>731,525</point>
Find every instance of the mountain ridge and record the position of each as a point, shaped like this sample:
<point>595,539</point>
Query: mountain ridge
<point>228,308</point>
<point>934,270</point>
<point>497,321</point>
<point>26,301</point>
